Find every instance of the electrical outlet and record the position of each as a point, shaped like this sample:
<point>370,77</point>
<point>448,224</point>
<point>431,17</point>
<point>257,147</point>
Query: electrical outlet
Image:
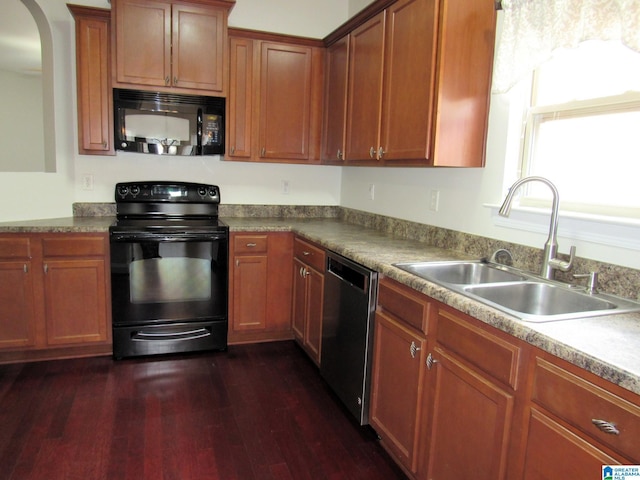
<point>286,187</point>
<point>372,191</point>
<point>434,200</point>
<point>87,181</point>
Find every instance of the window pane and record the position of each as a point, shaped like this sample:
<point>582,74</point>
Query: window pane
<point>592,159</point>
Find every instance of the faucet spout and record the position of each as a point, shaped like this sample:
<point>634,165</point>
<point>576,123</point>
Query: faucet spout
<point>549,261</point>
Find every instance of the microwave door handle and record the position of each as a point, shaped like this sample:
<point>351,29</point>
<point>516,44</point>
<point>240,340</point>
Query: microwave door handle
<point>199,132</point>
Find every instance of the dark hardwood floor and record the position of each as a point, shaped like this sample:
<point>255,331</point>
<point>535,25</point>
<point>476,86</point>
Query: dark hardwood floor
<point>254,412</point>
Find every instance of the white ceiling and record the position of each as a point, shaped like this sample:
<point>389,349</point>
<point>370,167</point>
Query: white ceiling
<point>19,39</point>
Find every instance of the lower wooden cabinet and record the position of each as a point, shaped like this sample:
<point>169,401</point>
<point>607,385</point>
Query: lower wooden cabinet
<point>453,397</point>
<point>308,295</point>
<point>260,287</point>
<point>398,381</point>
<point>575,415</point>
<point>54,296</point>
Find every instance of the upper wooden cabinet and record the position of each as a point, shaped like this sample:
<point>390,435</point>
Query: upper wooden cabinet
<point>419,75</point>
<point>335,102</point>
<point>171,45</point>
<point>93,78</point>
<point>275,98</point>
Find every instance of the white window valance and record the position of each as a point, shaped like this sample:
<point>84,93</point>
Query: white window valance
<point>533,29</point>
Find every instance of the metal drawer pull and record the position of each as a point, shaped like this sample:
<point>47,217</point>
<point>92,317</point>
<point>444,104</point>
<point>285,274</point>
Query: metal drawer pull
<point>25,268</point>
<point>413,349</point>
<point>306,253</point>
<point>251,244</point>
<point>431,361</point>
<point>372,152</point>
<point>606,427</point>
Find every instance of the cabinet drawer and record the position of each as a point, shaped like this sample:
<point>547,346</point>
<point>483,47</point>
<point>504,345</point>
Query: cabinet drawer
<point>309,254</point>
<point>404,303</point>
<point>15,248</point>
<point>580,402</point>
<point>488,352</point>
<point>64,246</point>
<point>249,244</point>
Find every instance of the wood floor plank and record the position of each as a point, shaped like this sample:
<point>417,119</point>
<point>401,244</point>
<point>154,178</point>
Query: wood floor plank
<point>255,412</point>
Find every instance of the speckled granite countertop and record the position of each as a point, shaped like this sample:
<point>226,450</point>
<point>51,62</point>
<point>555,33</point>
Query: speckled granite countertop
<point>608,346</point>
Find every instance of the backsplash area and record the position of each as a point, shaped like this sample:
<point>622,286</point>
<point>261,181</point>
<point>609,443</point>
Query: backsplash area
<point>613,279</point>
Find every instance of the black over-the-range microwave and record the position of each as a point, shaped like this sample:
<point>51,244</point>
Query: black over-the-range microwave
<point>167,123</point>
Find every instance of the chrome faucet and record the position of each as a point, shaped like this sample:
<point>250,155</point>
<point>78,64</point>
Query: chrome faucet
<point>549,261</point>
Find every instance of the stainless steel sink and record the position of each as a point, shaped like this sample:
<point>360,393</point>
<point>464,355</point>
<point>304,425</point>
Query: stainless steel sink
<point>523,295</point>
<point>461,273</point>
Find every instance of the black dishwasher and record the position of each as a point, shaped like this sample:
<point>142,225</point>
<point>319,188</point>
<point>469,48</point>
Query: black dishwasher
<point>347,332</point>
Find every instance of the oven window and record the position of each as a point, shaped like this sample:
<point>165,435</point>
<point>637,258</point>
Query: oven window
<point>155,280</point>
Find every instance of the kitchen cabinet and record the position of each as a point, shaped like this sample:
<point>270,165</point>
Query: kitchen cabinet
<point>335,98</point>
<point>571,417</point>
<point>56,300</point>
<point>398,380</point>
<point>418,84</point>
<point>308,294</point>
<point>171,46</point>
<point>93,79</point>
<point>260,289</point>
<point>474,378</point>
<point>275,98</point>
<point>17,314</point>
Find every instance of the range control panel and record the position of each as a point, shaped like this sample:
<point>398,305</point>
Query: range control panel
<point>170,192</point>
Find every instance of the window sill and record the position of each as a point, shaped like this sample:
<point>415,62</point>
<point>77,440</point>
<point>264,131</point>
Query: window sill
<point>611,231</point>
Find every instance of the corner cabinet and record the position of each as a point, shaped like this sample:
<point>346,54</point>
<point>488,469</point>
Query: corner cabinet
<point>171,46</point>
<point>93,80</point>
<point>275,98</point>
<point>308,294</point>
<point>260,287</point>
<point>55,299</point>
<point>418,86</point>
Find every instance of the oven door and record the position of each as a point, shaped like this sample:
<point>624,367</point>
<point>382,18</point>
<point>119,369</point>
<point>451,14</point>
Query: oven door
<point>169,291</point>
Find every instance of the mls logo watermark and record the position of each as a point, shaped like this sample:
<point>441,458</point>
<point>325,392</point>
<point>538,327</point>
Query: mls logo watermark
<point>620,472</point>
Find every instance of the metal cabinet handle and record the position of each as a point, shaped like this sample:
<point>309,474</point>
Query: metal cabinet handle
<point>372,152</point>
<point>25,268</point>
<point>413,349</point>
<point>251,245</point>
<point>167,80</point>
<point>431,361</point>
<point>306,254</point>
<point>606,427</point>
<point>339,154</point>
<point>46,268</point>
<point>263,152</point>
<point>233,150</point>
<point>175,80</point>
<point>381,153</point>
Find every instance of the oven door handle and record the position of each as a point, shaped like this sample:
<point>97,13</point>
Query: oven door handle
<point>166,237</point>
<point>142,336</point>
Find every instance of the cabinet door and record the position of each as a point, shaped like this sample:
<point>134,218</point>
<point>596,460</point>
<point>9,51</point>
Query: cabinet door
<point>335,111</point>
<point>313,323</point>
<point>299,300</point>
<point>285,101</point>
<point>555,452</point>
<point>75,301</point>
<point>143,42</point>
<point>465,60</point>
<point>93,73</point>
<point>408,80</point>
<point>240,98</point>
<point>17,316</point>
<point>471,423</point>
<point>366,65</point>
<point>249,293</point>
<point>397,388</point>
<point>198,47</point>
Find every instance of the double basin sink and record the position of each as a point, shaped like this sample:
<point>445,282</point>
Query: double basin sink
<point>523,295</point>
